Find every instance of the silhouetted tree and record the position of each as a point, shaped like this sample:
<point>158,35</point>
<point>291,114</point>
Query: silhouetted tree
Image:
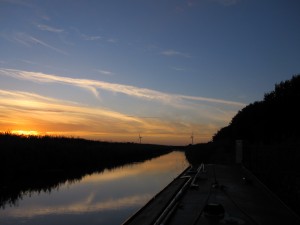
<point>272,120</point>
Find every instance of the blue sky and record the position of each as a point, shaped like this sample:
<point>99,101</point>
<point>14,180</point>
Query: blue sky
<point>111,70</point>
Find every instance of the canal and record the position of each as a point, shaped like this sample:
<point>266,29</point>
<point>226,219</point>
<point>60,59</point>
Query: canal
<point>109,197</point>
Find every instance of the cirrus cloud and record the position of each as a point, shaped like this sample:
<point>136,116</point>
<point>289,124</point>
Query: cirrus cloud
<point>48,28</point>
<point>172,52</point>
<point>95,85</point>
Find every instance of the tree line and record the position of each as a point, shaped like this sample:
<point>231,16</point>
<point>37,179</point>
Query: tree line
<point>275,119</point>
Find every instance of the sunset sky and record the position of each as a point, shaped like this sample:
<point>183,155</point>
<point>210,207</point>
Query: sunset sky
<point>113,69</point>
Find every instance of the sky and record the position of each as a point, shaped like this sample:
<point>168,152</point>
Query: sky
<point>166,70</point>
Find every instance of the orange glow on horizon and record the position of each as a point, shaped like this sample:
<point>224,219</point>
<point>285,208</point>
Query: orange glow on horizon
<point>148,138</point>
<point>25,132</point>
<point>25,113</point>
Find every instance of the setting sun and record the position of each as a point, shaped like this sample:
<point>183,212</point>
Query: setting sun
<point>25,132</point>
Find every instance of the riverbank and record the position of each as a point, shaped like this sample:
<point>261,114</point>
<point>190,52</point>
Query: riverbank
<point>107,197</point>
<point>29,163</point>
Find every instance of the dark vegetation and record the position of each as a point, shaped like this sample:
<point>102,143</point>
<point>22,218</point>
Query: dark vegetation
<point>41,163</point>
<point>270,131</point>
<point>273,120</point>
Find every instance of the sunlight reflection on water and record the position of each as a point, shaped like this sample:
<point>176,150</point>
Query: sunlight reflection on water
<point>109,197</point>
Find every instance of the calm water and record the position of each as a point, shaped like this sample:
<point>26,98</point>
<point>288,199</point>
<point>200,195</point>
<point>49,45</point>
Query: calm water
<point>104,198</point>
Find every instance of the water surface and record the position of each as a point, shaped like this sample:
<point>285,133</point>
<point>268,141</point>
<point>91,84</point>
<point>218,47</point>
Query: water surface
<point>109,197</point>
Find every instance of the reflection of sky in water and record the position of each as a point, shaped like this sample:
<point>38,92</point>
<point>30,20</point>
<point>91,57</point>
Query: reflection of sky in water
<point>106,198</point>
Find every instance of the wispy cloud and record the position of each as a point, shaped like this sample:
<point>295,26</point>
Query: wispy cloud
<point>112,40</point>
<point>85,36</point>
<point>95,37</point>
<point>29,111</point>
<point>24,108</point>
<point>90,37</point>
<point>105,72</point>
<point>29,41</point>
<point>30,101</point>
<point>178,114</point>
<point>211,100</point>
<point>171,52</point>
<point>48,28</point>
<point>94,85</point>
<point>28,62</point>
